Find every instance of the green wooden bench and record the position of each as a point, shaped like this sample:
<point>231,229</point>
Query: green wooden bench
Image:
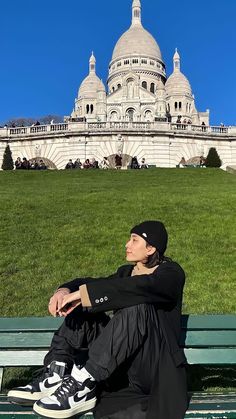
<point>207,340</point>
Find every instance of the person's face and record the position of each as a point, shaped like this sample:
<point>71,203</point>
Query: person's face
<point>137,249</point>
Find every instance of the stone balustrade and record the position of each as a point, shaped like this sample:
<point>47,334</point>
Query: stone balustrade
<point>10,132</point>
<point>36,129</point>
<point>200,128</point>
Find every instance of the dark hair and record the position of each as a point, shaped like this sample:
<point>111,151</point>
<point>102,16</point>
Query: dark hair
<point>155,259</point>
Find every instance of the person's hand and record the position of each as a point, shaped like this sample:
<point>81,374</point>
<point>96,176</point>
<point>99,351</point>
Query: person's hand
<point>69,303</point>
<point>55,301</point>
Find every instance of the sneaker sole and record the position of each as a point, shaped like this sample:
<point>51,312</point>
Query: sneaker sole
<point>63,414</point>
<point>22,397</point>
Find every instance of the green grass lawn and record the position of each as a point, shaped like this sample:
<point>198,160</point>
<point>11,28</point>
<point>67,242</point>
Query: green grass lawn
<point>59,225</point>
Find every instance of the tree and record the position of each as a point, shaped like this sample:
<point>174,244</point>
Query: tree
<point>7,163</point>
<point>26,122</point>
<point>213,159</point>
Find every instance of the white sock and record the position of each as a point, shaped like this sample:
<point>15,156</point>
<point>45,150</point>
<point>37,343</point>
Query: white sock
<point>81,374</point>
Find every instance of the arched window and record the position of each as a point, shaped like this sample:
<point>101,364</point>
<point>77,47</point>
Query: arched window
<point>144,84</point>
<point>148,116</point>
<point>114,116</point>
<point>130,114</point>
<point>176,105</point>
<point>87,108</point>
<point>113,88</point>
<point>136,13</point>
<point>152,88</point>
<point>91,108</point>
<point>180,105</point>
<point>118,86</point>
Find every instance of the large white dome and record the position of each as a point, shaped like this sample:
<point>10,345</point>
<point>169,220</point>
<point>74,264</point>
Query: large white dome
<point>137,41</point>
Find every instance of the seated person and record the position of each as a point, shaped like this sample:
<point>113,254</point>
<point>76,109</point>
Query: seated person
<point>105,163</point>
<point>134,163</point>
<point>182,163</point>
<point>94,164</point>
<point>87,164</point>
<point>69,165</point>
<point>118,161</point>
<point>77,164</point>
<point>127,366</point>
<point>143,164</point>
<point>18,163</point>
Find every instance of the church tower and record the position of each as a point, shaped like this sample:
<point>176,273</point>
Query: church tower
<point>135,70</point>
<point>91,101</point>
<point>179,97</point>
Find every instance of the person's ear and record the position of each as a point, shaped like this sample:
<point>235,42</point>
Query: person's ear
<point>150,250</point>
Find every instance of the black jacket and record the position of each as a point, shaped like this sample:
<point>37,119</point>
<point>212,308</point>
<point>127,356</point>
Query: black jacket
<point>164,288</point>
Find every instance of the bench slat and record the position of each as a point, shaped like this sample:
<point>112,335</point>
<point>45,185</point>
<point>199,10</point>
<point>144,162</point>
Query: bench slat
<point>202,405</point>
<point>209,338</point>
<point>211,356</point>
<point>202,338</point>
<point>22,358</point>
<point>25,340</point>
<point>19,324</point>
<point>195,322</point>
<point>211,321</point>
<point>200,356</point>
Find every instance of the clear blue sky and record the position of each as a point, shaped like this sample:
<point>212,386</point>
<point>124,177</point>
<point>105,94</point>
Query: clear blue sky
<point>46,45</point>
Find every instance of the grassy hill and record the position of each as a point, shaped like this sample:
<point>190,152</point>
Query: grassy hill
<point>59,225</point>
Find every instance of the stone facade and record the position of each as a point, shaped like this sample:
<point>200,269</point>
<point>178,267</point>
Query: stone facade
<point>143,113</point>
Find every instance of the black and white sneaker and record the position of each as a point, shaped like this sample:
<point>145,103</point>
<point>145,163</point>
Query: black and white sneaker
<point>42,386</point>
<point>71,398</point>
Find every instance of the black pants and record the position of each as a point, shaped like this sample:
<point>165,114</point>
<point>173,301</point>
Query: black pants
<point>121,353</point>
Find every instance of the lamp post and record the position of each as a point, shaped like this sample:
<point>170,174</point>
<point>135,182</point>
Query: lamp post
<point>170,143</point>
<point>85,144</point>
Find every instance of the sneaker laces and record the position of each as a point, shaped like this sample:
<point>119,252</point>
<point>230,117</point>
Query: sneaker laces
<point>68,387</point>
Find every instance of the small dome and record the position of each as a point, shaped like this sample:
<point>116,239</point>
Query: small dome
<point>177,83</point>
<point>137,41</point>
<point>90,86</point>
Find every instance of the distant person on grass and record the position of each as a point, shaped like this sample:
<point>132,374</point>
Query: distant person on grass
<point>128,366</point>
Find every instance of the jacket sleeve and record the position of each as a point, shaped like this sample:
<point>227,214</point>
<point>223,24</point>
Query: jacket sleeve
<point>163,287</point>
<point>77,282</point>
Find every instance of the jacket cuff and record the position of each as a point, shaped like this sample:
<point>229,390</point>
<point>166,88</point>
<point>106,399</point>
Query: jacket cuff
<point>85,300</point>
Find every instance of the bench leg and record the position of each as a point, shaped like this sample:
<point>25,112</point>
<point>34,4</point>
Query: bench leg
<point>1,377</point>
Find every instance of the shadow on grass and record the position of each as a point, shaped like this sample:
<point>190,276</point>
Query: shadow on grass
<point>201,378</point>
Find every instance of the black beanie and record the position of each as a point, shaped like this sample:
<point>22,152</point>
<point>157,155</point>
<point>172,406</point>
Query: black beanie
<point>154,232</point>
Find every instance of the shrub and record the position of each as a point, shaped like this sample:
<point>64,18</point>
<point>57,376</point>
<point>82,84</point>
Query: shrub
<point>7,163</point>
<point>213,159</point>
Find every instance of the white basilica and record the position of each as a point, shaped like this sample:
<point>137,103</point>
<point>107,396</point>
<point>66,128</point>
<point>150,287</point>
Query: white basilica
<point>141,113</point>
<point>138,88</point>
